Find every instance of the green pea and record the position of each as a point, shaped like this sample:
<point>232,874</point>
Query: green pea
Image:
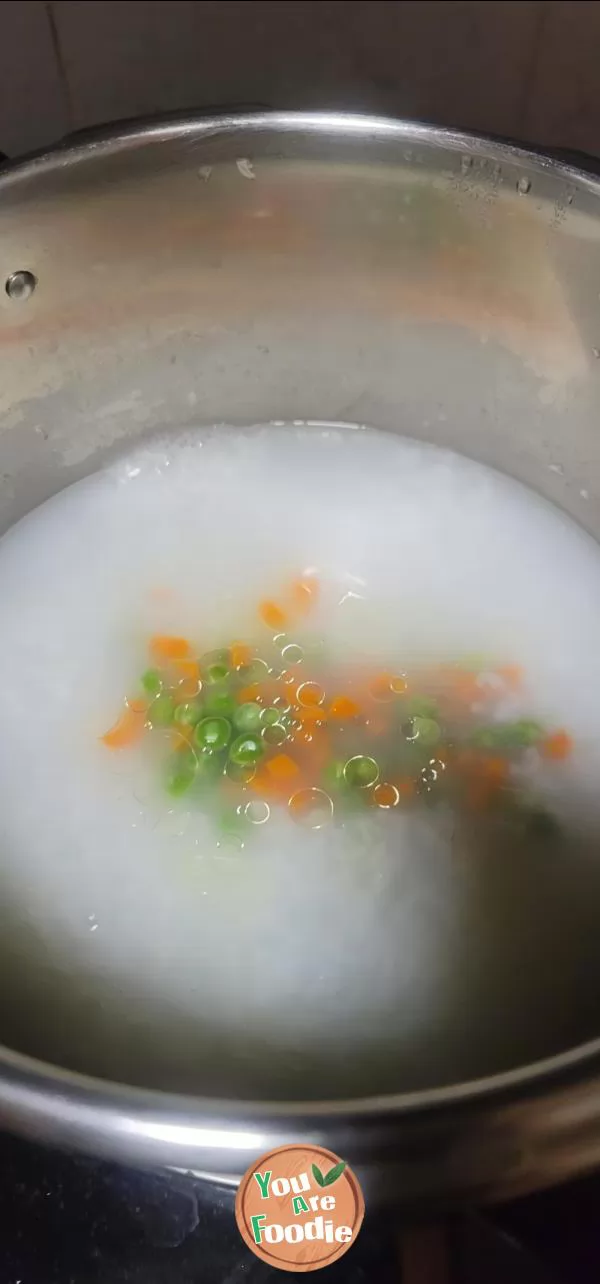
<point>162,711</point>
<point>181,773</point>
<point>282,705</point>
<point>218,701</point>
<point>527,732</point>
<point>427,730</point>
<point>220,655</point>
<point>211,765</point>
<point>361,771</point>
<point>215,666</point>
<point>508,735</point>
<point>333,777</point>
<point>179,781</point>
<point>351,800</point>
<point>241,774</point>
<point>233,828</point>
<point>270,716</point>
<point>247,717</point>
<point>152,682</point>
<point>213,733</point>
<point>216,672</point>
<point>274,734</point>
<point>231,822</point>
<point>246,750</point>
<point>423,707</point>
<point>256,671</point>
<point>187,715</point>
<point>485,738</point>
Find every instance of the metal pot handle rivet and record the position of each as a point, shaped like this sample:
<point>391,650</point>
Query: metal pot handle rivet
<point>20,285</point>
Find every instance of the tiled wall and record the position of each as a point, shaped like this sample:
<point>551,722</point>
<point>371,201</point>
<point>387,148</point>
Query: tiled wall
<point>523,68</point>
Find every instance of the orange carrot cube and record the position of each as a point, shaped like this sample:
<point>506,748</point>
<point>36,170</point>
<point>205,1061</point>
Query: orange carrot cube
<point>282,767</point>
<point>512,675</point>
<point>272,615</point>
<point>128,728</point>
<point>249,694</point>
<point>342,707</point>
<point>240,654</point>
<point>557,746</point>
<point>165,647</point>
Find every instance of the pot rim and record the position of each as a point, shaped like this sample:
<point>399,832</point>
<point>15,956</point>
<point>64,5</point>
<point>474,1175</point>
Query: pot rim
<point>136,132</point>
<point>555,1072</point>
<point>38,1096</point>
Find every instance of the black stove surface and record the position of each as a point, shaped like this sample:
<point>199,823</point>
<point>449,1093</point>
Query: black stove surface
<point>65,1219</point>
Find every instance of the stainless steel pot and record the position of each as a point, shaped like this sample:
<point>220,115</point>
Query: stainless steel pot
<point>306,267</point>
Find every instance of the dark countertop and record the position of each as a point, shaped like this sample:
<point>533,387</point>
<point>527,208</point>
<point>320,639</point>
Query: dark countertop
<point>70,1220</point>
<point>67,1219</point>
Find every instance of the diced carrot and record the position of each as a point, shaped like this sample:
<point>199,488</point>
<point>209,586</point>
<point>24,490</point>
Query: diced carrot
<point>482,773</point>
<point>494,770</point>
<point>483,779</point>
<point>512,674</point>
<point>557,746</point>
<point>272,615</point>
<point>310,694</point>
<point>282,767</point>
<point>136,704</point>
<point>250,693</point>
<point>377,725</point>
<point>165,647</point>
<point>240,654</point>
<point>266,692</point>
<point>255,781</point>
<point>263,784</point>
<point>270,690</point>
<point>300,734</point>
<point>465,688</point>
<point>289,679</point>
<point>185,691</point>
<point>187,674</point>
<point>466,761</point>
<point>385,795</point>
<point>406,788</point>
<point>458,690</point>
<point>289,693</point>
<point>380,687</point>
<point>317,748</point>
<point>272,788</point>
<point>186,670</point>
<point>310,805</point>
<point>128,728</point>
<point>342,708</point>
<point>304,593</point>
<point>313,714</point>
